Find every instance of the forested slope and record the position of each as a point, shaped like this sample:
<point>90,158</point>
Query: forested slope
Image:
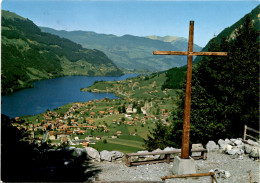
<point>29,54</point>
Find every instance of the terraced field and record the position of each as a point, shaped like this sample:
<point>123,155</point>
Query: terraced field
<point>125,144</point>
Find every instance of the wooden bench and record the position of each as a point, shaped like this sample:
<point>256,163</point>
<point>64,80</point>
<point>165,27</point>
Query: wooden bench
<point>167,158</point>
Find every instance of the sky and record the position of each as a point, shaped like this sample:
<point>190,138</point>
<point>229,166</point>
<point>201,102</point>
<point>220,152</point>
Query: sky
<point>136,17</point>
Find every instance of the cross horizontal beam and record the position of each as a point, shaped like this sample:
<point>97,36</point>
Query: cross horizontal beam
<point>190,53</point>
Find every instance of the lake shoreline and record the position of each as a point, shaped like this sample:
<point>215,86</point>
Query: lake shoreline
<point>53,93</point>
<point>29,84</point>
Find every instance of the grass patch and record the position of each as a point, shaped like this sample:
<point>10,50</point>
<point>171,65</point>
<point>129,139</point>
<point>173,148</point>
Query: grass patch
<point>100,146</point>
<point>35,73</point>
<point>32,119</point>
<point>141,131</point>
<point>130,143</point>
<point>133,138</point>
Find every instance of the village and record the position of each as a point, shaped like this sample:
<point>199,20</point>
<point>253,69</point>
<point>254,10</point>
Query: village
<point>120,122</point>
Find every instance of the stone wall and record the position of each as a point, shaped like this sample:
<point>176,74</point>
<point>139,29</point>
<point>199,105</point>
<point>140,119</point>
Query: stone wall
<point>236,147</point>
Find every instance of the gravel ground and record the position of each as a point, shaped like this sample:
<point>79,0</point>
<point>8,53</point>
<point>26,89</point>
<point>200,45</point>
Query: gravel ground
<point>117,171</point>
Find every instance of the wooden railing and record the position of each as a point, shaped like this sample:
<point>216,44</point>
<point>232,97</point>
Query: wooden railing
<point>250,129</point>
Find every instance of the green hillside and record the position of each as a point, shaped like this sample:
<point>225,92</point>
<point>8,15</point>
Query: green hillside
<point>29,54</point>
<point>140,87</point>
<point>129,52</point>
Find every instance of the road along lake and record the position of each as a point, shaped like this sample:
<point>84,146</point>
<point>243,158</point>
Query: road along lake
<point>53,93</point>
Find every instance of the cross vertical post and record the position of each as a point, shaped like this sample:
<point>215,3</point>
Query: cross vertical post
<point>187,104</point>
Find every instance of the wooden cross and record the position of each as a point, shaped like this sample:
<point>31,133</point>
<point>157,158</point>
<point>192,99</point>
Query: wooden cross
<point>187,104</point>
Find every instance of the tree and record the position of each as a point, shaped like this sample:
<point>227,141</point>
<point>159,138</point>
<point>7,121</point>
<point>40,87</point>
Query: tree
<point>119,109</point>
<point>39,132</point>
<point>123,109</point>
<point>139,111</point>
<point>134,104</point>
<point>69,122</point>
<point>175,78</point>
<point>158,138</point>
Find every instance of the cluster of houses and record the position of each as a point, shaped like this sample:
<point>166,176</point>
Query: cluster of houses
<point>81,117</point>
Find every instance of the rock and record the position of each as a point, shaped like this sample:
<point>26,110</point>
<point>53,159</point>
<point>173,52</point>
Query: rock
<point>93,153</point>
<point>169,149</point>
<point>235,151</point>
<point>158,156</point>
<point>252,142</point>
<point>232,151</point>
<point>109,156</point>
<point>117,155</point>
<point>222,173</point>
<point>242,151</point>
<point>212,146</point>
<point>228,147</point>
<point>255,153</point>
<point>238,142</point>
<point>241,157</point>
<point>145,157</point>
<point>142,152</point>
<point>233,140</point>
<point>227,174</point>
<point>227,140</point>
<point>248,148</point>
<point>222,144</point>
<point>79,151</point>
<point>196,147</point>
<point>134,158</point>
<point>106,155</point>
<point>217,172</point>
<point>69,148</point>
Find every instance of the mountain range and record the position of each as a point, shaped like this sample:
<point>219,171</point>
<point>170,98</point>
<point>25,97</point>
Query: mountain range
<point>131,52</point>
<point>28,54</point>
<point>31,53</point>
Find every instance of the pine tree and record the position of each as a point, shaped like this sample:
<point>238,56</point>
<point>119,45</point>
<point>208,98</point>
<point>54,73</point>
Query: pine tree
<point>158,138</point>
<point>123,109</point>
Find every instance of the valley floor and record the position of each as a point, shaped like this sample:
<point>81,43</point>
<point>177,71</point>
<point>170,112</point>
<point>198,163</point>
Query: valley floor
<point>118,171</point>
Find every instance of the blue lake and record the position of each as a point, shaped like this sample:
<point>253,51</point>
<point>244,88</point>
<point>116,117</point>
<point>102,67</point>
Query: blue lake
<point>53,93</point>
